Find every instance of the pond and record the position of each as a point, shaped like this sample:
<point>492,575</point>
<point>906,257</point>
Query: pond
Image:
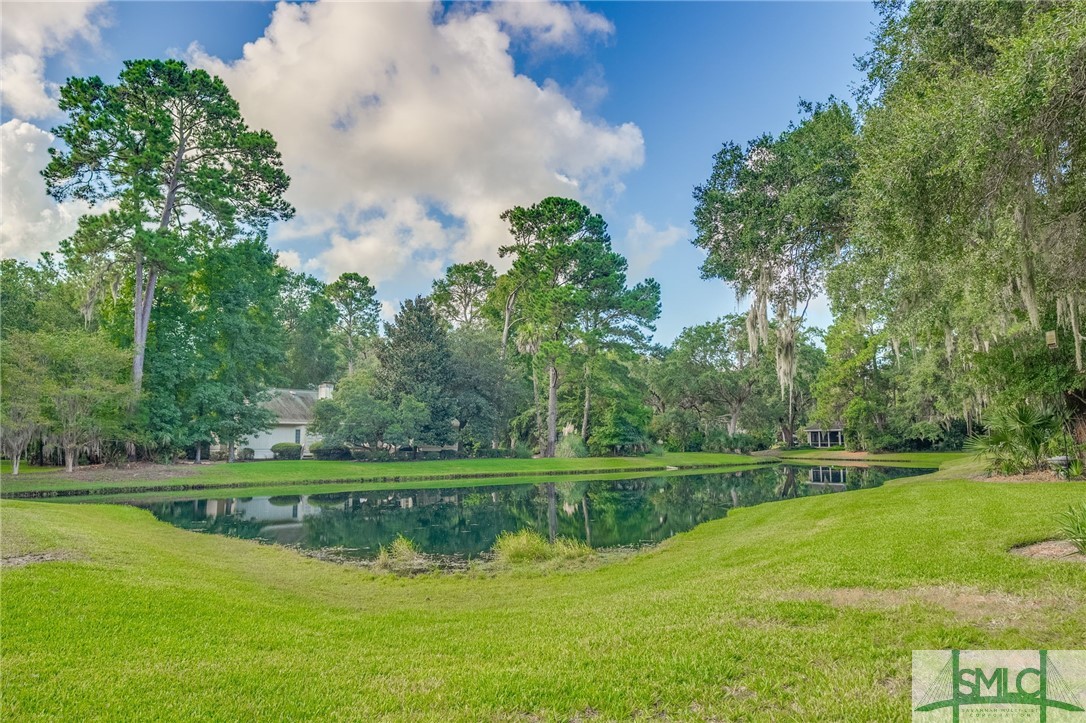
<point>465,521</point>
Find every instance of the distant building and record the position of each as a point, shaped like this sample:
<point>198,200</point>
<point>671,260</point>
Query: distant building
<point>831,436</point>
<point>293,409</point>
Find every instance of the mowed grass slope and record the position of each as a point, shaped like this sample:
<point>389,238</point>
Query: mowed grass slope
<point>265,473</point>
<point>923,459</point>
<point>804,610</point>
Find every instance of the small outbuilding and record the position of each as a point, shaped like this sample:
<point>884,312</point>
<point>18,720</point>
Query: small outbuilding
<point>293,409</point>
<point>829,436</point>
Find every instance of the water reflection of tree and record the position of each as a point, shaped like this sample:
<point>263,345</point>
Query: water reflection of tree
<point>466,521</point>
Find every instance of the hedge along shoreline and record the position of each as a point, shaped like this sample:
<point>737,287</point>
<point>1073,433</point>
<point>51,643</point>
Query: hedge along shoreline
<point>197,487</point>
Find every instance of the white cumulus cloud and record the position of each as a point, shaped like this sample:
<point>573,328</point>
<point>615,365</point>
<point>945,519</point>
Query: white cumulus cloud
<point>645,244</point>
<point>30,221</point>
<point>30,32</point>
<point>407,129</point>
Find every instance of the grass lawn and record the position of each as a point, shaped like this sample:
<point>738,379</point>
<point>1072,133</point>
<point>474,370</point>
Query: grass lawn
<point>804,609</point>
<point>301,488</point>
<point>278,473</point>
<point>24,468</point>
<point>923,459</point>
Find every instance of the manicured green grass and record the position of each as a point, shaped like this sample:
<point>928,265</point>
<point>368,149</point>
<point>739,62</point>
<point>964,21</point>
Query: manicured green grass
<point>804,609</point>
<point>24,468</point>
<point>308,471</point>
<point>921,459</point>
<point>301,488</point>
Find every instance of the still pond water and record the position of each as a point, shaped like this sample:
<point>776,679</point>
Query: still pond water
<point>466,520</point>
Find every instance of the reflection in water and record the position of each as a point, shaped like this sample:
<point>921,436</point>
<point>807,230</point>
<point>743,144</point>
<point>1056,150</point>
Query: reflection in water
<point>466,521</point>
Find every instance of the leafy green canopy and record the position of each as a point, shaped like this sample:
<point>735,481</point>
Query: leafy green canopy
<point>168,157</point>
<point>772,218</point>
<point>569,287</point>
<point>968,224</point>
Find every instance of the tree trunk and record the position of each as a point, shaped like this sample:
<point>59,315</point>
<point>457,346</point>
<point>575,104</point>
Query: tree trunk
<point>538,409</point>
<point>230,452</point>
<point>69,459</point>
<point>587,397</point>
<point>198,450</point>
<point>15,464</point>
<point>144,297</point>
<point>1072,307</point>
<point>510,303</point>
<point>733,423</point>
<point>552,409</point>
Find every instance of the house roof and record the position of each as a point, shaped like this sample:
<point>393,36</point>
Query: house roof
<point>835,427</point>
<point>292,406</point>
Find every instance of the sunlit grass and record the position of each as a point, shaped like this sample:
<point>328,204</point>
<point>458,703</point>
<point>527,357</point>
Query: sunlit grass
<point>267,473</point>
<point>527,546</point>
<point>804,609</point>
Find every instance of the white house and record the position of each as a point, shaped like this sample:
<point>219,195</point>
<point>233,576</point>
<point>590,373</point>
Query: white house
<point>293,409</point>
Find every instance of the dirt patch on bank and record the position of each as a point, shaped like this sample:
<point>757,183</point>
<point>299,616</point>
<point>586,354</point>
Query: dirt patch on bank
<point>1030,477</point>
<point>1051,550</point>
<point>990,609</point>
<point>125,472</point>
<point>35,557</point>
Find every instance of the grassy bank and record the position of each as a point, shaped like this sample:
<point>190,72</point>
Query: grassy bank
<point>301,488</point>
<point>279,473</point>
<point>901,459</point>
<point>803,609</point>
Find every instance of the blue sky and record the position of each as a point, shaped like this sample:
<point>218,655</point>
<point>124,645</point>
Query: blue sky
<point>653,88</point>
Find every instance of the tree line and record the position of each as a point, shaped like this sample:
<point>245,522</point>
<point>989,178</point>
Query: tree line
<point>941,213</point>
<point>943,217</point>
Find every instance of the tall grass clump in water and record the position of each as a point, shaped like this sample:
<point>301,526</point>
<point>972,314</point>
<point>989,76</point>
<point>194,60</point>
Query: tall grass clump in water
<point>526,546</point>
<point>401,556</point>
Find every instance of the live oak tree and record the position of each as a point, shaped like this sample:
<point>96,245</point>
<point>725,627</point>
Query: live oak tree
<point>21,417</point>
<point>83,397</point>
<point>163,152</point>
<point>773,217</point>
<point>357,313</point>
<point>969,213</point>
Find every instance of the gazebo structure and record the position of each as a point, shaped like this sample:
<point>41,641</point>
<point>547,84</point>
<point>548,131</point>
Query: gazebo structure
<point>829,436</point>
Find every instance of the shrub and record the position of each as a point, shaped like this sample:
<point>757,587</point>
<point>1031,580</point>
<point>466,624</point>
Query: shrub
<point>522,451</point>
<point>526,546</point>
<point>246,454</point>
<point>571,446</point>
<point>329,451</point>
<point>286,450</point>
<point>741,442</point>
<point>1019,439</point>
<point>1073,526</point>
